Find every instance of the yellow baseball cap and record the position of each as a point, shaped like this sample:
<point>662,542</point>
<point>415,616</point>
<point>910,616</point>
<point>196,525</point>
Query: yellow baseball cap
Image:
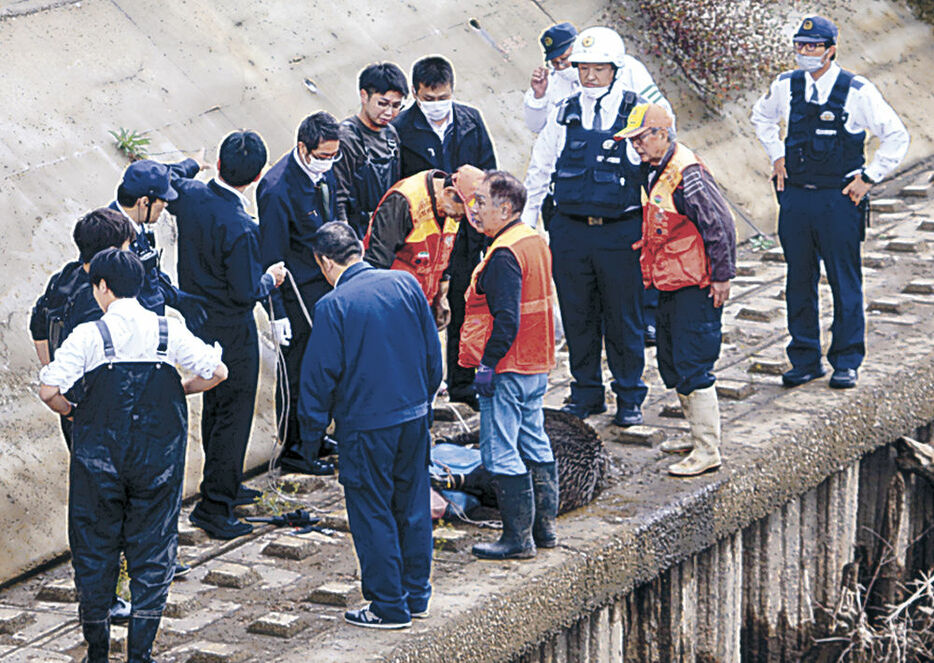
<point>642,118</point>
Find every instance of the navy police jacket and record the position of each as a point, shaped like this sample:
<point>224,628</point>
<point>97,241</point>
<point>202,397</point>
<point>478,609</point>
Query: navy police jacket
<point>467,142</point>
<point>218,251</point>
<point>373,359</point>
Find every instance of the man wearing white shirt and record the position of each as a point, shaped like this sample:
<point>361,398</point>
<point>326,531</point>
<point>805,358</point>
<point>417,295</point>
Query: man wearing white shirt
<point>128,454</point>
<point>554,82</point>
<point>821,179</point>
<point>594,207</point>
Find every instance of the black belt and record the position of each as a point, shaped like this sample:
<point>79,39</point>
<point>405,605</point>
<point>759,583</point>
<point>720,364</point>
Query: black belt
<point>605,220</point>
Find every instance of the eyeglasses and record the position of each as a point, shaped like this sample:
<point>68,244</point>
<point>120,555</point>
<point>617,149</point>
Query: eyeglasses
<point>810,47</point>
<point>638,140</point>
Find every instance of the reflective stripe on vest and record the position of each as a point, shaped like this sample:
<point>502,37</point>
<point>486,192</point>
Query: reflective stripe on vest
<point>427,249</point>
<point>533,350</point>
<point>673,254</point>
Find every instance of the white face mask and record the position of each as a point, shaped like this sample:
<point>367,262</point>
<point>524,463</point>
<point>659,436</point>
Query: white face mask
<point>809,63</point>
<point>317,166</point>
<point>569,74</point>
<point>436,111</point>
<point>594,92</point>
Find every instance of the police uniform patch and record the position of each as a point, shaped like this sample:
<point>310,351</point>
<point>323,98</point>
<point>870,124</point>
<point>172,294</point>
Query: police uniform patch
<point>807,25</point>
<point>827,116</point>
<point>548,41</point>
<point>587,41</point>
<point>608,144</point>
<point>424,255</point>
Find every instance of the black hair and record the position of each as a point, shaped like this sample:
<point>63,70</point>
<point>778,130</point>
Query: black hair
<point>101,229</point>
<point>383,77</point>
<point>432,71</point>
<point>337,241</point>
<point>125,199</point>
<point>122,271</point>
<point>242,157</point>
<point>505,188</point>
<point>316,128</point>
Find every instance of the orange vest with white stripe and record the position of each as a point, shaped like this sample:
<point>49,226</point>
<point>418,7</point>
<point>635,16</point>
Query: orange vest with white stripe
<point>427,249</point>
<point>533,350</point>
<point>673,254</point>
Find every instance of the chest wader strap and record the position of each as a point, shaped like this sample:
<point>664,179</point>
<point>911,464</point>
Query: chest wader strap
<point>163,347</point>
<point>108,341</point>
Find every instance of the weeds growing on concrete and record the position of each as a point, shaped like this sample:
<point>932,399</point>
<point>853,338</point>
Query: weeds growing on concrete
<point>132,144</point>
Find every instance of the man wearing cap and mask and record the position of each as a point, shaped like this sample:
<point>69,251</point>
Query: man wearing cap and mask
<point>821,179</point>
<point>688,253</point>
<point>439,133</point>
<point>555,81</point>
<point>219,260</point>
<point>415,226</point>
<point>143,193</point>
<point>295,198</point>
<point>595,184</point>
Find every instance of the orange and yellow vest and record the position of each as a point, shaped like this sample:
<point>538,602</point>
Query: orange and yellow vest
<point>428,246</point>
<point>673,254</point>
<point>533,350</point>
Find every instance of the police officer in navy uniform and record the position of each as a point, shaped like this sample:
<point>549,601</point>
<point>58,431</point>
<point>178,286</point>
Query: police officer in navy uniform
<point>374,364</point>
<point>219,261</point>
<point>295,197</point>
<point>128,458</point>
<point>596,218</point>
<point>821,179</point>
<point>143,193</point>
<point>438,133</point>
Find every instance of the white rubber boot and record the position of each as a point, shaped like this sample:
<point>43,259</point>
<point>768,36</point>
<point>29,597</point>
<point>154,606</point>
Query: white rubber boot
<point>703,415</point>
<point>684,443</point>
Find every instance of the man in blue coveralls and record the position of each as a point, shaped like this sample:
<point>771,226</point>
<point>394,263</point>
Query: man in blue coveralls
<point>295,197</point>
<point>128,456</point>
<point>374,363</point>
<point>143,193</point>
<point>595,184</point>
<point>219,261</point>
<point>821,179</point>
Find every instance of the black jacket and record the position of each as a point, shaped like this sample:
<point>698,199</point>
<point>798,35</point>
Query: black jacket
<point>422,149</point>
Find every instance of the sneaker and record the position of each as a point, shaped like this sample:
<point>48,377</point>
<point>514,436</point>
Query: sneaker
<point>799,376</point>
<point>120,611</point>
<point>246,496</point>
<point>843,378</point>
<point>368,619</point>
<point>298,465</point>
<point>424,614</point>
<point>627,415</point>
<point>181,569</point>
<point>582,410</point>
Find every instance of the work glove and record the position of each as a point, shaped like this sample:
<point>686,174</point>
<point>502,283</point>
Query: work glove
<point>483,382</point>
<point>281,331</point>
<point>192,309</point>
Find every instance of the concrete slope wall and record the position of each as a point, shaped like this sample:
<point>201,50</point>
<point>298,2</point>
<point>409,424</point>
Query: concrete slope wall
<point>189,71</point>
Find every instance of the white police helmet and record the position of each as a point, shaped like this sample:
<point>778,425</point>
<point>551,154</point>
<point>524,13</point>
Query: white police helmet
<point>598,45</point>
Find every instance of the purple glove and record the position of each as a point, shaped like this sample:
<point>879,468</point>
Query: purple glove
<point>483,382</point>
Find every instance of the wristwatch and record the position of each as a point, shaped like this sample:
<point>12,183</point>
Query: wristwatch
<point>866,177</point>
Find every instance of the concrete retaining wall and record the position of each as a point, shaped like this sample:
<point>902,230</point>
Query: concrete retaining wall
<point>188,71</point>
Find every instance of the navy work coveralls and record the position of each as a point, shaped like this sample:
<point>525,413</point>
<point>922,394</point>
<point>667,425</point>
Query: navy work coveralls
<point>374,364</point>
<point>127,463</point>
<point>291,209</point>
<point>466,141</point>
<point>68,301</point>
<point>816,222</point>
<point>218,260</point>
<point>597,219</point>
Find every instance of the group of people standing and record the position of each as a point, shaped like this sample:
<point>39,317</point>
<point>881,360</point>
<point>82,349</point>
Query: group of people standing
<point>376,233</point>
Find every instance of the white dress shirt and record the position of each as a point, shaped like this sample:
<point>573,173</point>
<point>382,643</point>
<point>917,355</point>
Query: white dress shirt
<point>550,142</point>
<point>866,108</point>
<point>244,203</point>
<point>536,111</point>
<point>135,334</point>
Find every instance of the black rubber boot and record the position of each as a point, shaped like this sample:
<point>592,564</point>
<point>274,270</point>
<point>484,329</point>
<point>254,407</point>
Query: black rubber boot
<point>517,508</point>
<point>545,486</point>
<point>139,639</point>
<point>97,635</point>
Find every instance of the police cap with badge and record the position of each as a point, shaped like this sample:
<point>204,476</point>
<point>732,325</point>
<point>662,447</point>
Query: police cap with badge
<point>816,30</point>
<point>149,178</point>
<point>557,39</point>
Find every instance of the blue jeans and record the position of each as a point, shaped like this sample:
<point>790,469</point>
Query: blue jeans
<point>512,424</point>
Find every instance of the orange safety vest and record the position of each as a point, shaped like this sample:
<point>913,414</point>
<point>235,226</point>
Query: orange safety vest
<point>673,254</point>
<point>427,249</point>
<point>533,350</point>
